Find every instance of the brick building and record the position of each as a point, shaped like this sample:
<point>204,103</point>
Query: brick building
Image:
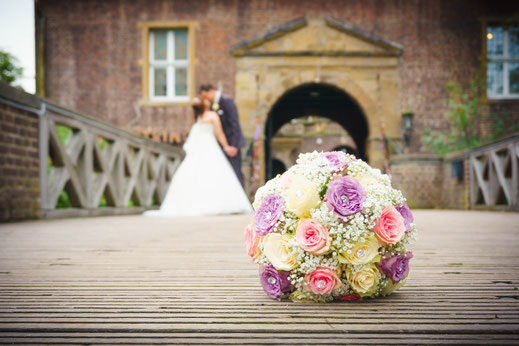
<point>136,64</point>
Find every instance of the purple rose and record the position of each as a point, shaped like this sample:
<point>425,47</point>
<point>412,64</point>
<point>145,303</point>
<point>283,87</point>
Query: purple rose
<point>337,159</point>
<point>345,196</point>
<point>396,267</point>
<point>268,214</point>
<point>406,214</point>
<point>274,282</point>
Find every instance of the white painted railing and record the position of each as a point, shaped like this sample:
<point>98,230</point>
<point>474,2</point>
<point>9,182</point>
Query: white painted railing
<point>94,162</point>
<point>494,176</point>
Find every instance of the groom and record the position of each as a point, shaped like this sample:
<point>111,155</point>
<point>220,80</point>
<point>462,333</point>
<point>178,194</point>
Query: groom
<point>226,109</point>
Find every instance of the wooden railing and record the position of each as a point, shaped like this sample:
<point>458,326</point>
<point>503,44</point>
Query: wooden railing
<point>97,169</point>
<point>494,176</point>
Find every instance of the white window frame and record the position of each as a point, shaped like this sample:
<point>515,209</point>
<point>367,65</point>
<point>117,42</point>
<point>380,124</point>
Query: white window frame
<point>505,59</point>
<point>170,64</point>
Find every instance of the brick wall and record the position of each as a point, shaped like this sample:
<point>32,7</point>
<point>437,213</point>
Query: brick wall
<point>93,48</point>
<point>420,180</point>
<point>428,181</point>
<point>19,164</point>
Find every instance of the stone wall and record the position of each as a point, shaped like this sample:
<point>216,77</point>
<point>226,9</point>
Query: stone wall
<point>455,190</point>
<point>428,181</point>
<point>19,158</point>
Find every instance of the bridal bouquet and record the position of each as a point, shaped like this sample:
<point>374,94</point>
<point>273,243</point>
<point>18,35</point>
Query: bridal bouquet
<point>330,228</point>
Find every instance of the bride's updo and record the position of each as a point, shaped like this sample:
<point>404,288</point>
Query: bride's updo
<point>198,107</point>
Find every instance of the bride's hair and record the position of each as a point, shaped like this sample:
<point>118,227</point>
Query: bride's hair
<point>198,107</point>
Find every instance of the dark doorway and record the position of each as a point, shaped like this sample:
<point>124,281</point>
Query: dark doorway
<point>278,167</point>
<point>347,149</point>
<point>321,100</point>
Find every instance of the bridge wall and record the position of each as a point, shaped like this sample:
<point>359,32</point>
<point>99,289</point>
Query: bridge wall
<point>429,181</point>
<point>19,156</point>
<point>55,162</point>
<point>483,178</point>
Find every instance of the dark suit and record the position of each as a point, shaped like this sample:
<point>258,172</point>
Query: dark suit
<point>231,127</point>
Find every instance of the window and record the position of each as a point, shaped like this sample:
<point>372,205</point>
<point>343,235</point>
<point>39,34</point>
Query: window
<point>167,62</point>
<point>503,62</point>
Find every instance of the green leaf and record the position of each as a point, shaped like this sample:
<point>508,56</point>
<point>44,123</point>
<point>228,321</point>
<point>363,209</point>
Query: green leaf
<point>9,71</point>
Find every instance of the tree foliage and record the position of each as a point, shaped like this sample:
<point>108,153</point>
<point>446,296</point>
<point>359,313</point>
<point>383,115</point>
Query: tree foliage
<point>10,72</point>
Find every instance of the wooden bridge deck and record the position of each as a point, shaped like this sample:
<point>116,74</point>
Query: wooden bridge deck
<point>160,281</point>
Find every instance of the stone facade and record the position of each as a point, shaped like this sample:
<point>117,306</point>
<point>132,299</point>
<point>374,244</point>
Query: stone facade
<point>19,163</point>
<point>323,53</point>
<point>93,50</point>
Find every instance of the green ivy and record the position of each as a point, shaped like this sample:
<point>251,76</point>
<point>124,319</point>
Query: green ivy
<point>464,109</point>
<point>501,125</point>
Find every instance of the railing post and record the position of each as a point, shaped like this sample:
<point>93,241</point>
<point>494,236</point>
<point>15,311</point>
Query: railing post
<point>86,168</point>
<point>44,161</point>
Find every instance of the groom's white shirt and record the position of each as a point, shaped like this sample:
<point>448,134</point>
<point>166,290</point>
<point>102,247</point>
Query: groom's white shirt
<point>217,97</point>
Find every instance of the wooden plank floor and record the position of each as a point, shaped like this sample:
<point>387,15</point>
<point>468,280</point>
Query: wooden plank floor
<point>137,280</point>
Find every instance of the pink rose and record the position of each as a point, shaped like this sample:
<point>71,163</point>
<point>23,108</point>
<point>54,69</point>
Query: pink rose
<point>251,241</point>
<point>313,237</point>
<point>285,180</point>
<point>390,226</point>
<point>322,281</point>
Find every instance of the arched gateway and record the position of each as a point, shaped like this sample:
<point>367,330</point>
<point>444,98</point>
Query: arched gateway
<point>319,67</point>
<point>316,99</point>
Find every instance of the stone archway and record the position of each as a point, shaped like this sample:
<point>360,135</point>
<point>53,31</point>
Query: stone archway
<point>315,99</point>
<point>320,52</point>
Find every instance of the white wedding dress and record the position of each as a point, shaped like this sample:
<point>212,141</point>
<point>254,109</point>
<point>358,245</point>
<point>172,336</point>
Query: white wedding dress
<point>205,182</point>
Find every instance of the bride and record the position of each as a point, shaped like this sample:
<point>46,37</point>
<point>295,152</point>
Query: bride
<point>205,182</point>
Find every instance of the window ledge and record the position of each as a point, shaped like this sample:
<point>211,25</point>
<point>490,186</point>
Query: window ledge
<point>503,98</point>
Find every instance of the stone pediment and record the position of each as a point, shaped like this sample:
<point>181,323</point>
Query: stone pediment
<point>327,37</point>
